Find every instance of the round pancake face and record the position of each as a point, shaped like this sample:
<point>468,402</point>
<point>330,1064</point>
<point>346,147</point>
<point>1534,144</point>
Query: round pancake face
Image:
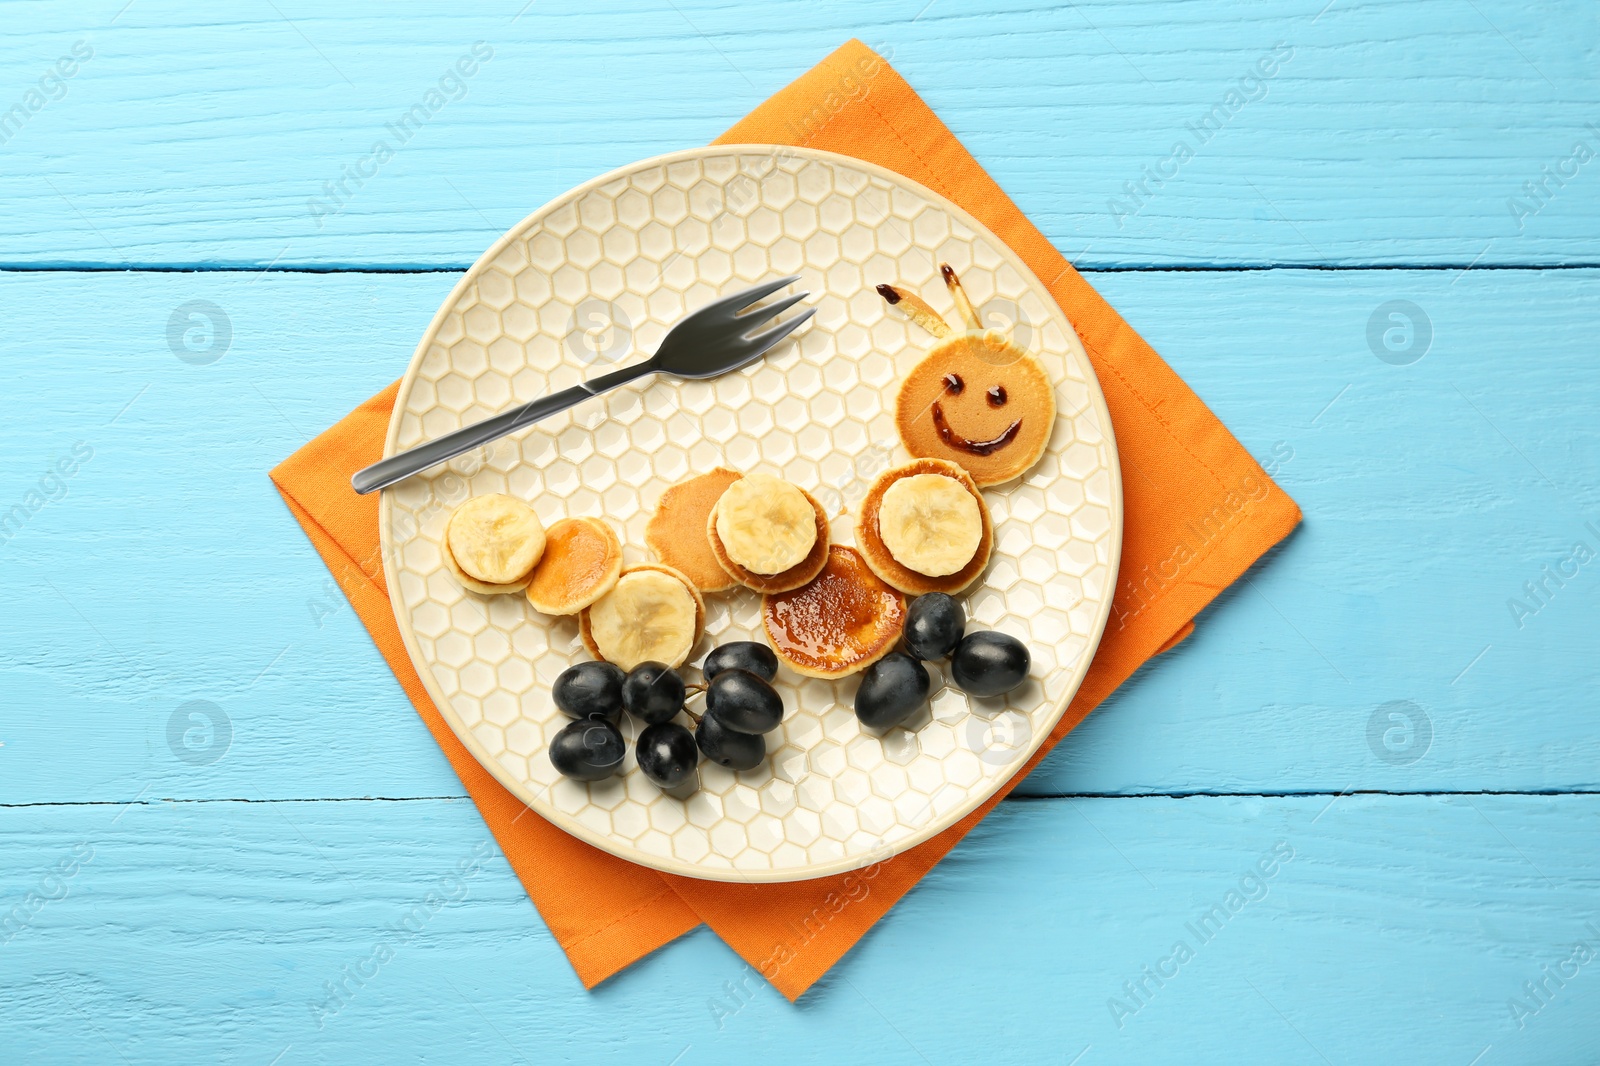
<point>842,622</point>
<point>791,578</point>
<point>877,554</point>
<point>582,561</point>
<point>981,402</point>
<point>676,532</point>
<point>644,618</point>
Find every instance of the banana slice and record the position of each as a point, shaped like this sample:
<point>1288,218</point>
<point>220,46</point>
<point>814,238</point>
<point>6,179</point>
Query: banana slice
<point>493,541</point>
<point>472,584</point>
<point>650,615</point>
<point>870,529</point>
<point>930,523</point>
<point>766,524</point>
<point>785,580</point>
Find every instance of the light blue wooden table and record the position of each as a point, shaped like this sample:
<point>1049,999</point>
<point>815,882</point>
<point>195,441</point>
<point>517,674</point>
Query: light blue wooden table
<point>1381,268</point>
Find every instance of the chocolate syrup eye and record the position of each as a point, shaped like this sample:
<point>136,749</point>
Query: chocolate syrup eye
<point>997,396</point>
<point>953,384</point>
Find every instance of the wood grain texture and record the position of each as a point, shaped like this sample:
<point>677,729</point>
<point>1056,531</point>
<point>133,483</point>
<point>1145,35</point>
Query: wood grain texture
<point>1388,133</point>
<point>1423,486</point>
<point>196,926</point>
<point>1398,930</point>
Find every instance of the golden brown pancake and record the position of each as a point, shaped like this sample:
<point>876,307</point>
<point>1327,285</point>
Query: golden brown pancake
<point>582,561</point>
<point>843,621</point>
<point>792,578</point>
<point>676,532</point>
<point>979,401</point>
<point>699,609</point>
<point>883,563</point>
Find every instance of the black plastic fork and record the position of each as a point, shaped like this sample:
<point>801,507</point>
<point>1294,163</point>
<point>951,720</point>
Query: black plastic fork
<point>708,342</point>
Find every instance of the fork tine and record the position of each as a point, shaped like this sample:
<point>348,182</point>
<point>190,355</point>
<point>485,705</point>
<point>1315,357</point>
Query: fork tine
<point>728,305</point>
<point>751,319</point>
<point>761,342</point>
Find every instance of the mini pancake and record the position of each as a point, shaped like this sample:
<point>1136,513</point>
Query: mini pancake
<point>979,401</point>
<point>586,633</point>
<point>676,531</point>
<point>883,563</point>
<point>582,561</point>
<point>792,578</point>
<point>842,622</point>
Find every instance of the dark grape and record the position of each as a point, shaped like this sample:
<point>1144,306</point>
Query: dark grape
<point>652,692</point>
<point>744,702</point>
<point>590,690</point>
<point>741,655</point>
<point>891,690</point>
<point>736,751</point>
<point>989,664</point>
<point>667,754</point>
<point>587,750</point>
<point>934,624</point>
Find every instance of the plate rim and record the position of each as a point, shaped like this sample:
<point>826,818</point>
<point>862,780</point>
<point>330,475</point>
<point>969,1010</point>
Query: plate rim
<point>571,825</point>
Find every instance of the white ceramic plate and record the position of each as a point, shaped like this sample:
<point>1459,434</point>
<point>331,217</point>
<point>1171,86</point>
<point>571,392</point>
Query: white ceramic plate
<point>595,279</point>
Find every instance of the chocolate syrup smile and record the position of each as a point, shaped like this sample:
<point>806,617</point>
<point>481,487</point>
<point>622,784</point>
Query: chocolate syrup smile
<point>976,447</point>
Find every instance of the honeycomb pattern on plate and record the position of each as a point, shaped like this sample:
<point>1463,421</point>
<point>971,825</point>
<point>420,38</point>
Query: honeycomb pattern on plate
<point>598,278</point>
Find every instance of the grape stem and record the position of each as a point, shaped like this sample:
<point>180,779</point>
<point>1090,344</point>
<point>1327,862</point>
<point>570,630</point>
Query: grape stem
<point>689,692</point>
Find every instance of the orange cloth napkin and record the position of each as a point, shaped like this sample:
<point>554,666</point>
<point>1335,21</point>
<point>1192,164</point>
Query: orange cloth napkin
<point>1199,512</point>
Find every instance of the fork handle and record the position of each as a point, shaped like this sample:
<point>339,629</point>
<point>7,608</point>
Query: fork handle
<point>396,468</point>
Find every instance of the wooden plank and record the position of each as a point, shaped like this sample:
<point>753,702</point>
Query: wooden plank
<point>1384,133</point>
<point>214,932</point>
<point>1434,493</point>
<point>171,572</point>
